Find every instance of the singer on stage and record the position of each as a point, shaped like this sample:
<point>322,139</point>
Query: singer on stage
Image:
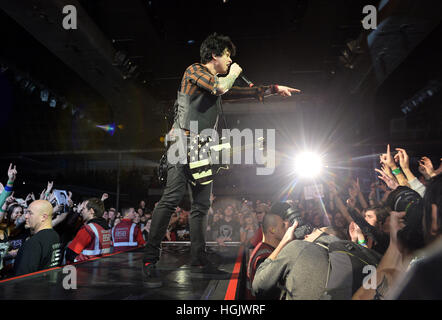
<point>199,99</point>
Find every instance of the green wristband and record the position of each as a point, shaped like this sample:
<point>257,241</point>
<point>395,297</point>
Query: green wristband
<point>396,171</point>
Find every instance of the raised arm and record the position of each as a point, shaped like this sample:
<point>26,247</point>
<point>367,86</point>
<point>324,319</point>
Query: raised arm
<point>224,84</point>
<point>387,159</point>
<point>258,92</point>
<point>12,174</point>
<point>361,198</point>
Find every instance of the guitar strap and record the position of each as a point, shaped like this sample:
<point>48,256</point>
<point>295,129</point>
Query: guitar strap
<point>222,115</point>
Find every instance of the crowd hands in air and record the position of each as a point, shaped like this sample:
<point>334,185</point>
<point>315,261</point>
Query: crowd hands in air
<point>365,219</point>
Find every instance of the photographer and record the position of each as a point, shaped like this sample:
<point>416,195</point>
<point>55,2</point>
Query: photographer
<point>274,228</point>
<point>309,264</point>
<point>296,269</point>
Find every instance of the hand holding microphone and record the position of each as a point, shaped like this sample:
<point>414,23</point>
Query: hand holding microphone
<point>235,69</point>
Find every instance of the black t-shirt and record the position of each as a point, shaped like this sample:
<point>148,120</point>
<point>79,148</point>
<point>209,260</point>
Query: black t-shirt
<point>41,251</point>
<point>182,232</point>
<point>228,229</point>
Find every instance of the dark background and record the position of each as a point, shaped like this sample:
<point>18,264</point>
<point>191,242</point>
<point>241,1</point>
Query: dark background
<point>349,109</point>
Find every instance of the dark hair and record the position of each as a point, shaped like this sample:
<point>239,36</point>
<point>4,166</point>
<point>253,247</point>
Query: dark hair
<point>97,205</point>
<point>269,221</point>
<point>216,44</point>
<point>125,210</point>
<point>433,195</point>
<point>11,210</point>
<point>280,208</point>
<point>381,213</point>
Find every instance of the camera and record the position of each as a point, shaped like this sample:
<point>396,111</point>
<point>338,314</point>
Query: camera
<point>408,200</point>
<point>291,213</point>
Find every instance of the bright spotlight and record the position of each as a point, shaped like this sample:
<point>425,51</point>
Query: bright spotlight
<point>308,164</point>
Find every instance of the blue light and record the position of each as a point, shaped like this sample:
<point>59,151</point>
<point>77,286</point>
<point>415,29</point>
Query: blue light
<point>44,95</point>
<point>52,102</point>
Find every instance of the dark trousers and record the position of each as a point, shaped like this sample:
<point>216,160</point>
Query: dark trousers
<point>176,187</point>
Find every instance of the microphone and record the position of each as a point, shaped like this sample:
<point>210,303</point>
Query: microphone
<point>247,81</point>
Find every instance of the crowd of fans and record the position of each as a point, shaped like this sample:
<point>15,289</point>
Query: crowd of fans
<point>284,252</point>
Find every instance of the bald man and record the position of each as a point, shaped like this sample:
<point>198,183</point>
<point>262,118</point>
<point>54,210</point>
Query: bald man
<point>42,250</point>
<point>273,228</point>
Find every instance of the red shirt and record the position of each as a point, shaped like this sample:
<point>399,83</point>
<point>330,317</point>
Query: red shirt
<point>257,238</point>
<point>259,254</point>
<point>127,235</point>
<point>92,240</point>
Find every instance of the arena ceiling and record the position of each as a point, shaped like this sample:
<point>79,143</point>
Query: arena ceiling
<point>299,43</point>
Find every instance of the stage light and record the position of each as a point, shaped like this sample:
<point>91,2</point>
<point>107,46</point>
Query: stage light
<point>109,128</point>
<point>308,164</point>
<point>44,95</point>
<point>52,102</point>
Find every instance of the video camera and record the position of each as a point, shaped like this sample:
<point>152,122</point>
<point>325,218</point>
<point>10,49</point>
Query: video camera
<point>408,200</point>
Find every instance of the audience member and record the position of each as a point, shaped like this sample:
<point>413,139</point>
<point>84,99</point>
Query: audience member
<point>42,250</point>
<point>94,238</point>
<point>228,229</point>
<point>126,234</point>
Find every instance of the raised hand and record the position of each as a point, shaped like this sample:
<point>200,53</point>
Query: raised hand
<point>28,197</point>
<point>80,206</point>
<point>51,197</point>
<point>356,185</point>
<point>70,202</point>
<point>104,196</point>
<point>50,185</point>
<point>387,159</point>
<point>352,192</point>
<point>290,233</point>
<point>42,194</point>
<point>354,231</point>
<point>10,199</point>
<point>12,173</point>
<point>427,165</point>
<point>387,170</point>
<point>332,189</point>
<point>351,202</point>
<point>403,159</point>
<point>391,183</point>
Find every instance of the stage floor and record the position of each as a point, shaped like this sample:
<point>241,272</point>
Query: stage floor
<point>118,277</point>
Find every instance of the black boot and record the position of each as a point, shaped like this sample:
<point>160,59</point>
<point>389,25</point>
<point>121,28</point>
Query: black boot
<point>150,276</point>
